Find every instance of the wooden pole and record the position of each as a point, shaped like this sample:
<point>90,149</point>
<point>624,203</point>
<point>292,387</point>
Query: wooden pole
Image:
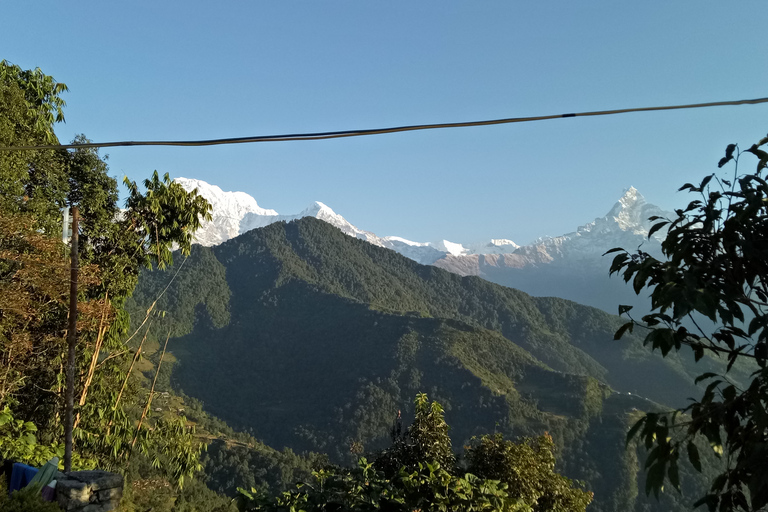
<point>71,346</point>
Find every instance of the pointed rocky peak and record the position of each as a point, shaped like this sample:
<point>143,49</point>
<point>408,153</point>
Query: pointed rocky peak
<point>631,212</point>
<point>630,200</point>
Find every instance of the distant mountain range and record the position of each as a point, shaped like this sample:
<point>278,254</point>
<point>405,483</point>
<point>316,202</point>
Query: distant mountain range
<point>569,266</point>
<point>235,213</point>
<point>314,340</point>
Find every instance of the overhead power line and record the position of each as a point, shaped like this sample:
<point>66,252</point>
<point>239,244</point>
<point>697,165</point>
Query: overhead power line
<point>378,131</point>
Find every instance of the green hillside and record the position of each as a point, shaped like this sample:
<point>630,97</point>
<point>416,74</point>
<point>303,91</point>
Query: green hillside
<point>314,340</point>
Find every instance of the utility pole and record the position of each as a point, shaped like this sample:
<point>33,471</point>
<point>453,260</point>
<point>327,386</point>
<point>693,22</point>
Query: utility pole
<point>71,345</point>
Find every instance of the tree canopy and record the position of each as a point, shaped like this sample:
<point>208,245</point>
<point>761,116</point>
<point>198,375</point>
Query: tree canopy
<point>420,472</point>
<point>710,297</point>
<point>35,186</point>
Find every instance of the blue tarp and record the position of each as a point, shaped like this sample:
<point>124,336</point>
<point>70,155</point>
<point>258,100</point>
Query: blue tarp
<point>21,475</point>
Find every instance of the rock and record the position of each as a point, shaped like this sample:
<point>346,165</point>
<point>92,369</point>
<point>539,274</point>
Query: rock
<point>89,491</point>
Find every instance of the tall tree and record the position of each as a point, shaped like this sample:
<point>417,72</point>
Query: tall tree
<point>114,245</point>
<point>31,181</point>
<point>716,268</point>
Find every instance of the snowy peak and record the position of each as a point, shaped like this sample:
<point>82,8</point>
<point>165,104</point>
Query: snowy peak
<point>628,212</point>
<point>235,213</point>
<point>449,247</point>
<point>503,242</point>
<point>228,209</point>
<point>317,208</point>
<point>322,211</point>
<point>495,246</point>
<point>232,202</point>
<point>625,225</point>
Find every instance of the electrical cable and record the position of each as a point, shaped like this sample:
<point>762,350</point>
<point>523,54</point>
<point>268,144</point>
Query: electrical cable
<point>379,131</point>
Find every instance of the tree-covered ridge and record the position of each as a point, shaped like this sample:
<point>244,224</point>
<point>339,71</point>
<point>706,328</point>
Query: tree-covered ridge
<point>564,335</point>
<point>325,337</point>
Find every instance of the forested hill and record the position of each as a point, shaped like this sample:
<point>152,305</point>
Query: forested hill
<point>315,340</point>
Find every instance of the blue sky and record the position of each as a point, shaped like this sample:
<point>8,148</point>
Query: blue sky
<point>195,70</point>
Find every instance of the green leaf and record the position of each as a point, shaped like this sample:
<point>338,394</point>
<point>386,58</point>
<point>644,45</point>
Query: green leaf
<point>693,456</point>
<point>635,428</point>
<point>624,328</point>
<point>674,476</point>
<point>656,227</point>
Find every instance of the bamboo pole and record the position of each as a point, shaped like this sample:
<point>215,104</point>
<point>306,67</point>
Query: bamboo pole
<point>95,357</point>
<point>130,368</point>
<point>151,391</point>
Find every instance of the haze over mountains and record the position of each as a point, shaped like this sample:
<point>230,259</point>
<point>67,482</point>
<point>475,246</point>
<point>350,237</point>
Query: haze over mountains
<point>570,266</point>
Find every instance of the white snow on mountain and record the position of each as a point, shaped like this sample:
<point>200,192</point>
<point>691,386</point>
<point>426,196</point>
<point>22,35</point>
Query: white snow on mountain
<point>625,225</point>
<point>229,208</point>
<point>235,213</point>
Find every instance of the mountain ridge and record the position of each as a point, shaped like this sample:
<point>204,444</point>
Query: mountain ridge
<point>315,339</point>
<point>628,216</point>
<point>569,266</point>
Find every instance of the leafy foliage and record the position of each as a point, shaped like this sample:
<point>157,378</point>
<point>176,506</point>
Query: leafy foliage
<point>34,281</point>
<point>26,500</point>
<point>18,442</point>
<point>425,440</point>
<point>33,300</point>
<point>528,470</point>
<point>716,269</point>
<point>42,95</point>
<point>422,482</point>
<point>164,215</point>
<point>30,181</point>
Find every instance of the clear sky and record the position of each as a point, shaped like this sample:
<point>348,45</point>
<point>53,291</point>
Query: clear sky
<point>144,70</point>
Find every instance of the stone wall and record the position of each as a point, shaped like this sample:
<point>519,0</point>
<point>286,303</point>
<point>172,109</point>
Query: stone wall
<point>89,491</point>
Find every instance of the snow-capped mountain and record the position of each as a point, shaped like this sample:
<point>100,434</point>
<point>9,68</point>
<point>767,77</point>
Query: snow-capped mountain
<point>625,225</point>
<point>229,208</point>
<point>572,266</point>
<point>569,266</point>
<point>235,213</point>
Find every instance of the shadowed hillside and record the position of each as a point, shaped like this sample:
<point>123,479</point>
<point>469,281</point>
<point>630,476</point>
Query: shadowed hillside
<point>315,340</point>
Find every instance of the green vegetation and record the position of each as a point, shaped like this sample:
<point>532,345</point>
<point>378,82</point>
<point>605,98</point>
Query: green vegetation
<point>114,428</point>
<point>419,472</point>
<point>312,340</point>
<point>24,501</point>
<point>716,269</point>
